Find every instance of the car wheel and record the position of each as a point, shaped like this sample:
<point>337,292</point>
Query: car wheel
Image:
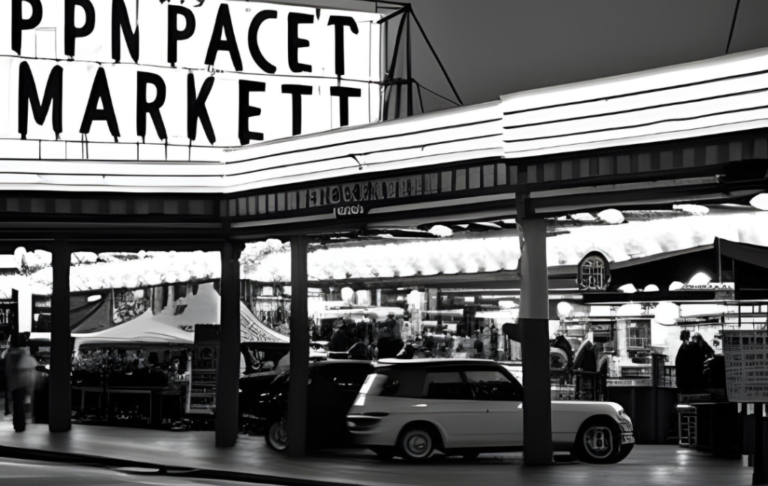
<point>598,442</point>
<point>277,436</point>
<point>416,444</point>
<point>384,453</point>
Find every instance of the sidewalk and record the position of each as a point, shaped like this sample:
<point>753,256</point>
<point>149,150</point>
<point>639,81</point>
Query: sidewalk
<point>251,460</point>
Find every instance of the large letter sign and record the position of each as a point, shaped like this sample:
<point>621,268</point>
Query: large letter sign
<point>98,76</point>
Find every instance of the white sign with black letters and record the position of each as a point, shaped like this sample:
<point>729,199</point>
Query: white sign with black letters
<point>207,73</point>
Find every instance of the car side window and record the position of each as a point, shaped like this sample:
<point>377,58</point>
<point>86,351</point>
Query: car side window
<point>492,385</point>
<point>446,385</point>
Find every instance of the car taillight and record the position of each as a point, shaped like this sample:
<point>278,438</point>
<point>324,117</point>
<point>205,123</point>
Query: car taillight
<point>360,400</point>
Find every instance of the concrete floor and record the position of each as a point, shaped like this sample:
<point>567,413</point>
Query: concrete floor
<point>647,465</point>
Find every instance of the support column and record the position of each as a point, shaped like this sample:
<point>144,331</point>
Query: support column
<point>59,387</point>
<point>534,322</point>
<point>296,422</point>
<point>227,380</point>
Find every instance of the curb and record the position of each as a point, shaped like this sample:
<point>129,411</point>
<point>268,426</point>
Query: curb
<point>106,462</point>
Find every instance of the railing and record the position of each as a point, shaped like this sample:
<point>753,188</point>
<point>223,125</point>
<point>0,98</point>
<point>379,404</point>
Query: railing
<point>577,385</point>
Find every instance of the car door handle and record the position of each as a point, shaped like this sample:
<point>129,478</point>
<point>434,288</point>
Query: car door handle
<point>420,405</point>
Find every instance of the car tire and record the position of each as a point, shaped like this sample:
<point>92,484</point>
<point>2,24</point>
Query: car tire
<point>384,453</point>
<point>599,442</point>
<point>416,444</point>
<point>277,436</point>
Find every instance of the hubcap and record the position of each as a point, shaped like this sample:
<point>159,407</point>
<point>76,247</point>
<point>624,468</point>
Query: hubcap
<point>278,436</point>
<point>598,441</point>
<point>418,444</point>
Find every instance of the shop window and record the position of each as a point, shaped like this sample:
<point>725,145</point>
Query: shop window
<point>639,335</point>
<point>593,272</point>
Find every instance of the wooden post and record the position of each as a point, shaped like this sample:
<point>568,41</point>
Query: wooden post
<point>228,373</point>
<point>296,421</point>
<point>534,322</point>
<point>59,386</point>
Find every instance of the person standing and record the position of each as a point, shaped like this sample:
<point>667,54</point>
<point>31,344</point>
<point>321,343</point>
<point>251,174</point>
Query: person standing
<point>339,341</point>
<point>494,342</point>
<point>478,345</point>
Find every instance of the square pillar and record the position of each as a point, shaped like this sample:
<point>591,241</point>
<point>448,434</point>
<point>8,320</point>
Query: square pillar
<point>534,323</point>
<point>228,375</point>
<point>59,383</point>
<point>296,421</point>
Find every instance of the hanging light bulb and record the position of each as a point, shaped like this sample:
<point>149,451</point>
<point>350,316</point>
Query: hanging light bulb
<point>666,313</point>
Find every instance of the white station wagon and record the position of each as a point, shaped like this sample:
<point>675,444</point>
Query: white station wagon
<point>410,408</point>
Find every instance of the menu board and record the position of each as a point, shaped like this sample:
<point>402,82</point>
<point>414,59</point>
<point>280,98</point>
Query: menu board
<point>746,365</point>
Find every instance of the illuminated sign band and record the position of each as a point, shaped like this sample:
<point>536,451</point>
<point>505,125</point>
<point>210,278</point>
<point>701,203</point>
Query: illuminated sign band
<point>222,73</point>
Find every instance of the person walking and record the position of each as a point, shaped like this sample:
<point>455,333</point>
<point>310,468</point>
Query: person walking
<point>20,371</point>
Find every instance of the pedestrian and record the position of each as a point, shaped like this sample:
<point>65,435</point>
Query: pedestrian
<point>494,341</point>
<point>478,345</point>
<point>448,345</point>
<point>339,341</point>
<point>20,370</point>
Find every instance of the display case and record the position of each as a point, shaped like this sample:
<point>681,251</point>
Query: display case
<point>201,398</point>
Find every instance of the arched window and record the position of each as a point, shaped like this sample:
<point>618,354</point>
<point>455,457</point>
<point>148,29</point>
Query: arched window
<point>593,272</point>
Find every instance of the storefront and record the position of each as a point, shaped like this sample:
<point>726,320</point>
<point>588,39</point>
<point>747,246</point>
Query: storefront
<point>86,185</point>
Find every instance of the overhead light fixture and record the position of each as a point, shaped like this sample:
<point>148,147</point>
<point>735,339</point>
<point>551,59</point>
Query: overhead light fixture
<point>700,278</point>
<point>666,313</point>
<point>441,231</point>
<point>611,216</point>
<point>694,209</point>
<point>628,289</point>
<point>760,202</point>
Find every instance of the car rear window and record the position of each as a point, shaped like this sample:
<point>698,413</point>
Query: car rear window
<point>395,382</point>
<point>493,385</point>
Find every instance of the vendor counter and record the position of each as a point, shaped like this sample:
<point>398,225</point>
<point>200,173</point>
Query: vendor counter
<point>153,406</point>
<point>652,409</point>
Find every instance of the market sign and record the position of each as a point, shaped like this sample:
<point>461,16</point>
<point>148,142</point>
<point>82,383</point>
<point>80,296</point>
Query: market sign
<point>204,73</point>
<point>349,211</point>
<point>746,365</point>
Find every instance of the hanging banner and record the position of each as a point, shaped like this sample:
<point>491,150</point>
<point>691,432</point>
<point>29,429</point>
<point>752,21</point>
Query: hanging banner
<point>746,365</point>
<point>201,73</point>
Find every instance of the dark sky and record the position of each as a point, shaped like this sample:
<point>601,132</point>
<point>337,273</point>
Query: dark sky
<point>494,47</point>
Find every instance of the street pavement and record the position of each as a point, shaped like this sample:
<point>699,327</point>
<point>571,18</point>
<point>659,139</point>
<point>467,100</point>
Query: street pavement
<point>16,472</point>
<point>647,465</point>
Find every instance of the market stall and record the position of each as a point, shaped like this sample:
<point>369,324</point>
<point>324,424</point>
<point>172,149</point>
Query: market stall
<point>134,373</point>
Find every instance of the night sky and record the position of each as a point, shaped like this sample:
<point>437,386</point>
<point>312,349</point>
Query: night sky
<point>494,47</point>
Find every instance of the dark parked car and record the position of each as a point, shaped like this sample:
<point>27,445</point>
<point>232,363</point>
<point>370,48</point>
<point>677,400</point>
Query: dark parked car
<point>333,386</point>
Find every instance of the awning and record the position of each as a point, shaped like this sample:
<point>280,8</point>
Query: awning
<point>743,252</point>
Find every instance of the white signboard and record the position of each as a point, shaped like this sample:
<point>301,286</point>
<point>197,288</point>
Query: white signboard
<point>746,365</point>
<point>183,73</point>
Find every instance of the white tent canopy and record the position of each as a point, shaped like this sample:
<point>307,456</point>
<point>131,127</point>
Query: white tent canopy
<point>138,331</point>
<point>168,327</point>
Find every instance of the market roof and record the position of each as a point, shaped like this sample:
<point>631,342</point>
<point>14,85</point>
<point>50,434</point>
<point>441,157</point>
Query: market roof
<point>715,96</point>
